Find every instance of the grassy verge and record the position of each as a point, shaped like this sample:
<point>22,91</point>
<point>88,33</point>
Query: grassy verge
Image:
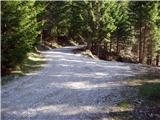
<point>34,61</point>
<point>150,89</point>
<point>142,100</point>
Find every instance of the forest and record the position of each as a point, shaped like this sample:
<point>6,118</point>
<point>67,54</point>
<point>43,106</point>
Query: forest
<point>80,60</point>
<point>121,30</point>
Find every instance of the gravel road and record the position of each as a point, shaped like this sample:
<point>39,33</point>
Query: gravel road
<point>69,87</point>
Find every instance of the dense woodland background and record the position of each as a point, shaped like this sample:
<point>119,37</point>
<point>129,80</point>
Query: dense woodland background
<point>112,30</point>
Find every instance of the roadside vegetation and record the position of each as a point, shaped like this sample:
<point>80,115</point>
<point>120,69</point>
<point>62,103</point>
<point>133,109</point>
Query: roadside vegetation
<point>142,99</point>
<point>125,31</point>
<point>33,62</point>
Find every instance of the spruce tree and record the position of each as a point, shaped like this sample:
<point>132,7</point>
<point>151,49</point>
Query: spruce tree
<point>19,31</point>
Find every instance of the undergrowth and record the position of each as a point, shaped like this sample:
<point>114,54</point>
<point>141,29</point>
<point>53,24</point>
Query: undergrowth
<point>34,61</point>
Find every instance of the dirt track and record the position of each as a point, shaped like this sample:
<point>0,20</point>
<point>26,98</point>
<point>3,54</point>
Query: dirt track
<point>69,87</point>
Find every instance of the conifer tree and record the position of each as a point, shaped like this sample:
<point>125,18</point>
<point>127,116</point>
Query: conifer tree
<point>19,31</point>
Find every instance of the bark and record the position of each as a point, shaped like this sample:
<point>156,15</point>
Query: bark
<point>157,60</point>
<point>41,37</point>
<point>144,45</point>
<point>110,47</point>
<point>98,50</point>
<point>151,53</point>
<point>117,47</point>
<point>140,43</point>
<point>149,56</point>
<point>106,47</point>
<point>89,44</point>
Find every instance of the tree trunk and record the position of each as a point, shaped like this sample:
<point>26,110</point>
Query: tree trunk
<point>41,37</point>
<point>89,44</point>
<point>144,45</point>
<point>140,43</point>
<point>110,48</point>
<point>149,56</point>
<point>89,41</point>
<point>98,50</point>
<point>151,53</point>
<point>106,46</point>
<point>157,59</point>
<point>117,46</point>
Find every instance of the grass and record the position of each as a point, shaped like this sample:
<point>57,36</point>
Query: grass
<point>150,92</point>
<point>123,111</point>
<point>142,94</point>
<point>125,105</point>
<point>149,89</point>
<point>34,61</point>
<point>146,86</point>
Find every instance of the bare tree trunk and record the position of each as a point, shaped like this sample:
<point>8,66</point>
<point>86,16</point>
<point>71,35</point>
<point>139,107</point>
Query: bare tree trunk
<point>98,50</point>
<point>117,47</point>
<point>151,53</point>
<point>110,48</point>
<point>41,37</point>
<point>89,45</point>
<point>144,45</point>
<point>157,59</point>
<point>149,56</point>
<point>140,43</point>
<point>106,46</point>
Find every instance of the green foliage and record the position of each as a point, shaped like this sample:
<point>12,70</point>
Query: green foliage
<point>145,17</point>
<point>155,21</point>
<point>122,33</point>
<point>96,22</point>
<point>19,31</point>
<point>76,16</point>
<point>57,17</point>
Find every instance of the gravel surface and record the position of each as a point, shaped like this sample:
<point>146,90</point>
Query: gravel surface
<point>69,87</point>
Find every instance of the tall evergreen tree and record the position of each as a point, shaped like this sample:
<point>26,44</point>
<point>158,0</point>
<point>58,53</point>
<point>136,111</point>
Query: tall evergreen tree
<point>143,16</point>
<point>122,33</point>
<point>57,17</point>
<point>19,31</point>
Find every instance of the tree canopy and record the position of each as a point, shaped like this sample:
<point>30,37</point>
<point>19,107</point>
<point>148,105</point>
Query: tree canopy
<point>105,26</point>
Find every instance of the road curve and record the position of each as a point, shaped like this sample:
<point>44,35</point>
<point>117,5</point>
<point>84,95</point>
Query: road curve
<point>69,87</point>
